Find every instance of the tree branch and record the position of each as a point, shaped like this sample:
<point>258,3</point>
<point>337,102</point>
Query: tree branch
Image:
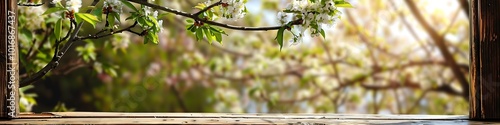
<point>208,8</point>
<point>440,42</point>
<point>30,4</point>
<point>97,36</point>
<point>195,17</point>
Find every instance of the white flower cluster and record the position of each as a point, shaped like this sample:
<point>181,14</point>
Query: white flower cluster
<point>231,9</point>
<point>33,23</point>
<point>73,5</point>
<point>314,15</point>
<point>114,5</point>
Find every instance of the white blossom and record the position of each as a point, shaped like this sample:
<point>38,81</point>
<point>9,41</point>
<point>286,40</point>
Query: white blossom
<point>55,1</point>
<point>33,23</point>
<point>160,23</point>
<point>155,14</point>
<point>116,5</point>
<point>73,5</point>
<point>314,15</point>
<point>235,9</point>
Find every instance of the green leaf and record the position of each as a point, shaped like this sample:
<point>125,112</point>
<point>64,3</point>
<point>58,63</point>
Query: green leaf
<point>189,21</point>
<point>343,4</point>
<point>116,16</point>
<point>218,37</point>
<point>98,13</point>
<point>199,34</point>
<point>146,39</point>
<point>113,17</point>
<point>87,18</point>
<point>153,37</point>
<point>279,37</point>
<point>133,15</point>
<point>208,35</point>
<point>129,5</point>
<point>155,26</point>
<point>322,32</point>
<point>53,10</point>
<point>190,27</point>
<point>193,30</point>
<point>58,28</point>
<point>217,30</point>
<point>85,8</point>
<point>144,22</point>
<point>111,21</point>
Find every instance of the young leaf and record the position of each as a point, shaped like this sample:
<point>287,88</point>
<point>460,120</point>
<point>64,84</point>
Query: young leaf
<point>53,10</point>
<point>279,37</point>
<point>58,28</point>
<point>199,34</point>
<point>129,5</point>
<point>193,30</point>
<point>217,30</point>
<point>343,4</point>
<point>116,15</point>
<point>98,13</point>
<point>189,21</point>
<point>208,35</point>
<point>111,21</point>
<point>153,37</point>
<point>218,37</point>
<point>322,32</point>
<point>189,27</point>
<point>87,18</point>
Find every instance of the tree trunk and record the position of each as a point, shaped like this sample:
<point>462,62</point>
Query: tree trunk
<point>485,60</point>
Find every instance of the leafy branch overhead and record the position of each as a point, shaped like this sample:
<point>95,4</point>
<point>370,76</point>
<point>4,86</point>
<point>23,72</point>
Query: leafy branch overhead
<point>297,17</point>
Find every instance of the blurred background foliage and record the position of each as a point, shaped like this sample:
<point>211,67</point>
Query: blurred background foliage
<point>378,59</point>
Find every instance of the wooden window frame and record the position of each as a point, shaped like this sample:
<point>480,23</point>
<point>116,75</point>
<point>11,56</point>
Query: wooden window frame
<point>484,92</point>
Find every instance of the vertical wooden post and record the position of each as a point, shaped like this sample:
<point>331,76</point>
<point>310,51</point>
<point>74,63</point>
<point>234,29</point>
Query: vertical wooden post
<point>9,59</point>
<point>485,60</point>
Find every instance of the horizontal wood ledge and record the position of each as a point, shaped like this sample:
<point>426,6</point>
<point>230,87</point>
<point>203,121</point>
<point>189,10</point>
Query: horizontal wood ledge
<point>229,118</point>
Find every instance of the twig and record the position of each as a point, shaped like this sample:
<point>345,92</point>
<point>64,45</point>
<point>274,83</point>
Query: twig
<point>97,36</point>
<point>195,17</point>
<point>208,8</point>
<point>30,4</point>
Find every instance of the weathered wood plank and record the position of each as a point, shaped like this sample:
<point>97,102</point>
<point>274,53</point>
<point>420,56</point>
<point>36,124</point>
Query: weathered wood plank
<point>9,69</point>
<point>235,115</point>
<point>228,118</point>
<point>485,59</point>
<point>227,121</point>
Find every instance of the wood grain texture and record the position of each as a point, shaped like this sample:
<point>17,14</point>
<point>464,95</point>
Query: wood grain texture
<point>485,60</point>
<point>8,26</point>
<point>226,118</point>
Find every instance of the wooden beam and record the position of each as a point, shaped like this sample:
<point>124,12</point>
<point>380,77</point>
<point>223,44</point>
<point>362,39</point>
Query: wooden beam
<point>232,118</point>
<point>9,56</point>
<point>485,60</point>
